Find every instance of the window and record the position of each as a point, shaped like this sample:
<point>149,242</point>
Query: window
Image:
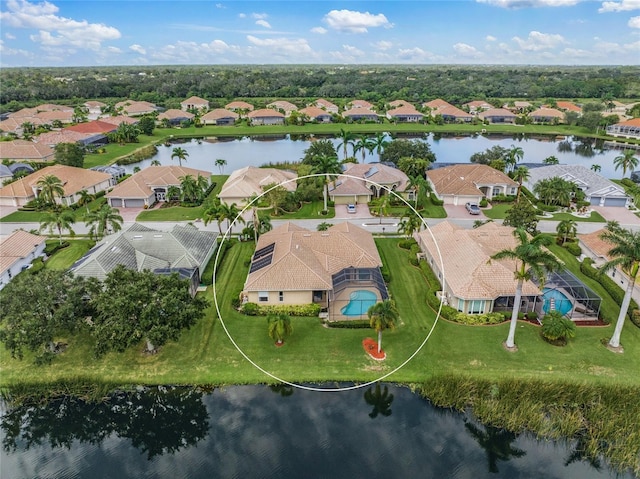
<point>475,306</point>
<point>460,304</point>
<point>513,191</point>
<point>496,191</point>
<point>411,196</point>
<point>263,296</point>
<point>281,296</point>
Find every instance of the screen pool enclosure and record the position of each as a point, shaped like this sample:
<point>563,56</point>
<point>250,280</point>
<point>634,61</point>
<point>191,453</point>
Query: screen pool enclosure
<point>564,292</point>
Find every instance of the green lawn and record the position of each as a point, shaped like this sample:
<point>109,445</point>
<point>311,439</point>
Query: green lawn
<point>204,355</point>
<point>64,258</point>
<point>594,218</point>
<point>307,211</point>
<point>23,217</point>
<point>497,211</point>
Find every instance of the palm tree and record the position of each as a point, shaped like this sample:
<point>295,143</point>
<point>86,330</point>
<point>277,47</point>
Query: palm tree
<point>50,187</point>
<point>85,199</point>
<point>596,168</point>
<point>260,223</point>
<point>531,262</point>
<point>567,229</point>
<point>173,193</point>
<point>279,327</point>
<point>380,400</point>
<point>106,219</point>
<point>61,219</point>
<point>627,161</point>
<point>229,213</point>
<point>421,187</point>
<point>212,213</point>
<point>409,223</point>
<point>551,160</point>
<point>362,144</point>
<point>520,174</point>
<point>155,162</point>
<point>324,226</point>
<point>203,184</point>
<point>180,153</point>
<point>189,189</point>
<point>379,143</point>
<point>220,163</point>
<point>346,139</point>
<point>383,315</point>
<point>514,155</point>
<point>328,166</point>
<point>625,254</point>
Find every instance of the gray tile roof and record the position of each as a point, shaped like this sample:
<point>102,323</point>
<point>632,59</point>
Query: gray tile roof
<point>589,181</point>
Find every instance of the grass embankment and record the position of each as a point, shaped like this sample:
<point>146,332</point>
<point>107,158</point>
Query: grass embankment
<point>64,258</point>
<point>37,216</point>
<point>499,212</point>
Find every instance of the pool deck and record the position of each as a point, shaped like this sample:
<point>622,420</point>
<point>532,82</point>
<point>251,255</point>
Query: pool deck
<point>343,298</point>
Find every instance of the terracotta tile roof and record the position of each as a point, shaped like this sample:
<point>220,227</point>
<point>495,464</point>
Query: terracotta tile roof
<point>403,111</point>
<point>465,254</point>
<point>477,104</point>
<point>250,180</point>
<point>53,107</point>
<point>497,112</point>
<point>521,104</point>
<point>16,246</point>
<point>23,113</point>
<point>73,179</point>
<point>265,113</point>
<point>95,126</point>
<point>63,136</point>
<point>219,113</point>
<point>195,100</point>
<point>397,103</point>
<point>547,112</point>
<point>237,105</point>
<point>173,114</point>
<point>378,173</point>
<point>64,116</point>
<point>348,187</point>
<point>11,124</point>
<point>325,104</point>
<point>464,179</point>
<point>305,260</point>
<point>25,150</point>
<point>567,105</point>
<point>314,112</point>
<point>131,107</point>
<point>116,120</point>
<point>436,104</point>
<point>361,104</point>
<point>94,104</point>
<point>597,245</point>
<point>140,185</point>
<point>632,122</point>
<point>282,104</point>
<point>359,112</point>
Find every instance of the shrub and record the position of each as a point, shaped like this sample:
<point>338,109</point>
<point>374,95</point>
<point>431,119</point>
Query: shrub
<point>310,309</point>
<point>250,309</point>
<point>353,324</point>
<point>413,260</point>
<point>532,315</point>
<point>503,199</point>
<point>547,208</point>
<point>235,302</point>
<point>556,327</point>
<point>628,182</point>
<point>407,243</point>
<point>573,248</point>
<point>53,247</point>
<point>484,203</point>
<point>434,199</point>
<point>487,318</point>
<point>36,266</point>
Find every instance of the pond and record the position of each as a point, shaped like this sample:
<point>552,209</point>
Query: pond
<point>260,150</point>
<point>272,432</point>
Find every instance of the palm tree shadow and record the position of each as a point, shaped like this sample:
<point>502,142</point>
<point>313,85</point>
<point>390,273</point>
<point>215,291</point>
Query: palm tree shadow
<point>497,444</point>
<point>380,400</point>
<point>283,389</point>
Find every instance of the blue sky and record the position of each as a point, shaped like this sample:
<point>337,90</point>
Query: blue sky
<point>148,32</point>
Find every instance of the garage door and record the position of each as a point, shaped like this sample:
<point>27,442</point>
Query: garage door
<point>116,202</point>
<point>615,201</point>
<point>133,203</point>
<point>595,200</point>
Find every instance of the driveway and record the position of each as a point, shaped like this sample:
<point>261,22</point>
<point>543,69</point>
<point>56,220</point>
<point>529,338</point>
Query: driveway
<point>129,214</point>
<point>362,211</point>
<point>460,212</point>
<point>621,215</point>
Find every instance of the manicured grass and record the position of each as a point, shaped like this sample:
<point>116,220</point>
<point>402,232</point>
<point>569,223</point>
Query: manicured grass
<point>307,211</point>
<point>595,217</point>
<point>497,211</point>
<point>64,258</point>
<point>23,217</point>
<point>114,151</point>
<point>204,355</point>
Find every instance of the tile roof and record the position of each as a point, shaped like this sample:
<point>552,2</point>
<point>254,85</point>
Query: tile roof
<point>361,104</point>
<point>131,107</point>
<point>95,126</point>
<point>250,180</point>
<point>73,179</point>
<point>314,112</point>
<point>632,122</point>
<point>465,257</point>
<point>378,173</point>
<point>436,104</point>
<point>568,105</point>
<point>25,150</point>
<point>464,179</point>
<point>404,110</point>
<point>11,124</point>
<point>453,111</point>
<point>64,116</point>
<point>53,107</point>
<point>359,111</point>
<point>547,113</point>
<point>94,104</point>
<point>265,113</point>
<point>348,187</point>
<point>140,185</point>
<point>236,105</point>
<point>16,246</point>
<point>23,113</point>
<point>219,113</point>
<point>521,104</point>
<point>477,104</point>
<point>62,136</point>
<point>397,103</point>
<point>117,120</point>
<point>140,248</point>
<point>305,260</point>
<point>195,100</point>
<point>589,181</point>
<point>325,104</point>
<point>596,244</point>
<point>496,112</point>
<point>173,114</point>
<point>282,104</point>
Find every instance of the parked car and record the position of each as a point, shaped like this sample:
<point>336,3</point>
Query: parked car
<point>473,208</point>
<point>351,208</point>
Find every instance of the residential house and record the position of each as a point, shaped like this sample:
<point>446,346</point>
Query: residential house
<point>53,107</point>
<point>326,105</point>
<point>94,108</point>
<point>5,174</point>
<point>447,111</point>
<point>314,113</point>
<point>119,119</point>
<point>462,183</point>
<point>283,106</point>
<point>476,106</point>
<point>435,105</point>
<point>74,180</point>
<point>625,129</point>
<point>266,116</point>
<point>135,108</point>
<point>52,138</point>
<point>11,125</point>
<point>219,116</point>
<point>568,106</point>
<point>23,150</point>
<point>519,106</point>
<point>361,104</point>
<point>398,103</point>
<point>250,181</point>
<point>547,115</point>
<point>17,251</point>
<point>98,130</point>
<point>49,116</point>
<point>239,106</point>
<point>194,103</point>
<point>357,114</point>
<point>175,116</point>
<point>148,186</point>
<point>293,265</point>
<point>115,171</point>
<point>598,190</point>
<point>471,281</point>
<point>363,181</point>
<point>498,115</point>
<point>598,249</point>
<point>184,250</point>
<point>405,114</point>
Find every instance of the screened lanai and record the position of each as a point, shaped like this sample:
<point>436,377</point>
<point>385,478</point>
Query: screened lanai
<point>564,292</point>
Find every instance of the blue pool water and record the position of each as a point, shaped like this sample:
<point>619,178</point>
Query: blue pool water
<point>563,304</point>
<point>360,303</point>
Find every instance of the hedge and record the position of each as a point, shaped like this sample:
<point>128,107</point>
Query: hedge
<point>487,318</point>
<point>53,247</point>
<point>610,286</point>
<point>435,200</point>
<point>573,248</point>
<point>354,324</point>
<point>253,309</point>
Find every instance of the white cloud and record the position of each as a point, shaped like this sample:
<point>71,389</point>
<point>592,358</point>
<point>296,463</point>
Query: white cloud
<point>242,15</point>
<point>537,41</point>
<point>355,22</point>
<point>622,6</point>
<point>263,23</point>
<point>55,30</point>
<point>467,51</point>
<point>383,45</point>
<point>634,22</point>
<point>259,16</point>
<point>112,49</point>
<point>192,52</point>
<point>5,50</point>
<point>490,38</point>
<point>282,46</point>
<point>530,3</point>
<point>138,49</point>
<point>348,54</point>
<point>220,5</point>
<point>9,36</point>
<point>415,54</point>
<point>319,30</point>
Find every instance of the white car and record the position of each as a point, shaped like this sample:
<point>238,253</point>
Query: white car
<point>351,208</point>
<point>473,208</point>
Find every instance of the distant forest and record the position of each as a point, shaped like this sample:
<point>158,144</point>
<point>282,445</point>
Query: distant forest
<point>163,85</point>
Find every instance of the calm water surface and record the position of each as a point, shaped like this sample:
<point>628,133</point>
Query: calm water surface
<point>257,151</point>
<point>258,431</point>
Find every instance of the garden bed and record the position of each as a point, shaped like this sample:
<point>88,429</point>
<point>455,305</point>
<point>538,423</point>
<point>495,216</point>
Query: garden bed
<point>371,347</point>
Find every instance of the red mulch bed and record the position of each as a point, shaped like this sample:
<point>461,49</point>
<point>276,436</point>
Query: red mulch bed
<point>371,347</point>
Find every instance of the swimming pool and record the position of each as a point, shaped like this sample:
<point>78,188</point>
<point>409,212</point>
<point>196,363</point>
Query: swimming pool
<point>562,302</point>
<point>360,302</point>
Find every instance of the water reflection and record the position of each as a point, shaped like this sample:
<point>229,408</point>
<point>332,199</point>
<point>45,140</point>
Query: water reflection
<point>496,442</point>
<point>380,399</point>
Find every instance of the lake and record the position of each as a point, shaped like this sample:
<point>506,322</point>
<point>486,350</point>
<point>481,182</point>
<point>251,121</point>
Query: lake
<point>259,150</point>
<point>272,432</point>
